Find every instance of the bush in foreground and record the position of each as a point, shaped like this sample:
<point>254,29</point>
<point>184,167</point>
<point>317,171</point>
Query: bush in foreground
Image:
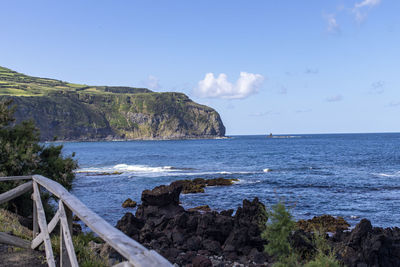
<point>278,233</point>
<point>22,154</point>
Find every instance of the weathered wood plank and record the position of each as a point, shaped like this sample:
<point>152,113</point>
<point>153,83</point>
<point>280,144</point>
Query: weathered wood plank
<point>127,247</point>
<point>123,264</point>
<point>15,178</point>
<point>14,241</point>
<point>15,192</point>
<point>43,226</point>
<point>52,224</point>
<point>67,238</point>
<point>35,226</point>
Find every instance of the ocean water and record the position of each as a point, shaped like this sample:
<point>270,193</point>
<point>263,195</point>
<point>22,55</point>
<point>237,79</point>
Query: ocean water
<point>351,175</point>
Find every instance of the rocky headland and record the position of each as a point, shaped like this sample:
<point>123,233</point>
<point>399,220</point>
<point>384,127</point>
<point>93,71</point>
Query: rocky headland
<point>66,111</point>
<point>209,238</point>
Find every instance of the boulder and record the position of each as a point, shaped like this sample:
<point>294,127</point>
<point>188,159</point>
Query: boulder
<point>162,196</point>
<point>201,261</point>
<point>369,246</point>
<point>197,185</point>
<point>129,203</point>
<point>130,225</point>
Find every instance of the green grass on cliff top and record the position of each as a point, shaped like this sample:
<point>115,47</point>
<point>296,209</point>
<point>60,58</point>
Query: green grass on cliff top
<point>13,83</point>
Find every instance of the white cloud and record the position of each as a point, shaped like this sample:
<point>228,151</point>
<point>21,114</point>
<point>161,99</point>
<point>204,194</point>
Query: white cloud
<point>333,25</point>
<point>334,98</point>
<point>220,87</point>
<point>360,15</point>
<point>367,3</point>
<point>153,82</point>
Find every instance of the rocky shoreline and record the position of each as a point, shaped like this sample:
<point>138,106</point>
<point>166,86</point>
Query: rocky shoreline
<point>227,238</point>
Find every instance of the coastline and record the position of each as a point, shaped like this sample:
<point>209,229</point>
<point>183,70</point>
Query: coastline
<point>234,238</point>
<point>111,139</point>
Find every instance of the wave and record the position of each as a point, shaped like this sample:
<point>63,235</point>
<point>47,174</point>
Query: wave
<point>241,181</point>
<point>396,174</point>
<point>129,168</point>
<point>154,170</point>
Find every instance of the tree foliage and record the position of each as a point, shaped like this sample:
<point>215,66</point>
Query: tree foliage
<point>22,154</point>
<point>277,234</point>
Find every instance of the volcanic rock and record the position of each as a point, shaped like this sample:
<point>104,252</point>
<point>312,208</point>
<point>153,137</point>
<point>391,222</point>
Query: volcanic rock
<point>197,185</point>
<point>129,203</point>
<point>326,223</point>
<point>162,224</point>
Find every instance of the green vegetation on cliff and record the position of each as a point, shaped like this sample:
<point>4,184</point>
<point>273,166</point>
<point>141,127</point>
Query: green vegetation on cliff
<point>81,112</point>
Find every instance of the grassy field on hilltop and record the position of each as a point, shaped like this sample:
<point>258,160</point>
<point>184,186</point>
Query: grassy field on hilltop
<point>13,83</point>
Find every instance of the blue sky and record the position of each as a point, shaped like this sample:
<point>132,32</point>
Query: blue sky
<point>287,66</point>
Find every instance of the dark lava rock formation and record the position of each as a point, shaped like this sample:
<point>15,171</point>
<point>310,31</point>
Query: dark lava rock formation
<point>368,246</point>
<point>326,223</point>
<point>197,185</point>
<point>210,238</point>
<point>191,237</point>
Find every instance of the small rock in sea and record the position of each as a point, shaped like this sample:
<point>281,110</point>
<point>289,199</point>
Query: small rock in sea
<point>129,203</point>
<point>204,208</point>
<point>197,185</point>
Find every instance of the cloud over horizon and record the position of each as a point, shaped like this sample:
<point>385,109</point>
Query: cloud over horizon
<point>219,87</point>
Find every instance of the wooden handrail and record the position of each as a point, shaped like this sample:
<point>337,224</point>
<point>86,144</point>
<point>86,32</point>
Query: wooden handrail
<point>136,254</point>
<point>15,192</point>
<point>14,178</point>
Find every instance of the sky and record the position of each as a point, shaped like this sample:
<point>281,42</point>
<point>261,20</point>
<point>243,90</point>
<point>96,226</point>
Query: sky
<point>282,67</point>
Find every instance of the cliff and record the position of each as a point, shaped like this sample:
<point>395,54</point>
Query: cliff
<point>80,112</point>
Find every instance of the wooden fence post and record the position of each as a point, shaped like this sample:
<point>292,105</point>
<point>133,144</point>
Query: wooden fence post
<point>35,229</point>
<point>64,258</point>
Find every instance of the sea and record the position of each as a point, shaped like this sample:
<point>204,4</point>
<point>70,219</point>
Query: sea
<point>350,175</point>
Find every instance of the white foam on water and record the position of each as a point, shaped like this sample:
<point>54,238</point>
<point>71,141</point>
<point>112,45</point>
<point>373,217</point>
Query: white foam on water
<point>242,181</point>
<point>154,170</point>
<point>129,168</point>
<point>396,174</point>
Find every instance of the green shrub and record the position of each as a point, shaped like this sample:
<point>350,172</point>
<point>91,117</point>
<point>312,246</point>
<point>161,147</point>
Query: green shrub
<point>84,254</point>
<point>277,234</point>
<point>325,255</point>
<point>22,154</point>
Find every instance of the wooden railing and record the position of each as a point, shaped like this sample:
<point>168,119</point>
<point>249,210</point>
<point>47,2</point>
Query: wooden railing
<point>135,254</point>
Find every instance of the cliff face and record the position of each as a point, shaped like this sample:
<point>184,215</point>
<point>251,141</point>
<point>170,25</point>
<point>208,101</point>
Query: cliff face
<point>79,112</point>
